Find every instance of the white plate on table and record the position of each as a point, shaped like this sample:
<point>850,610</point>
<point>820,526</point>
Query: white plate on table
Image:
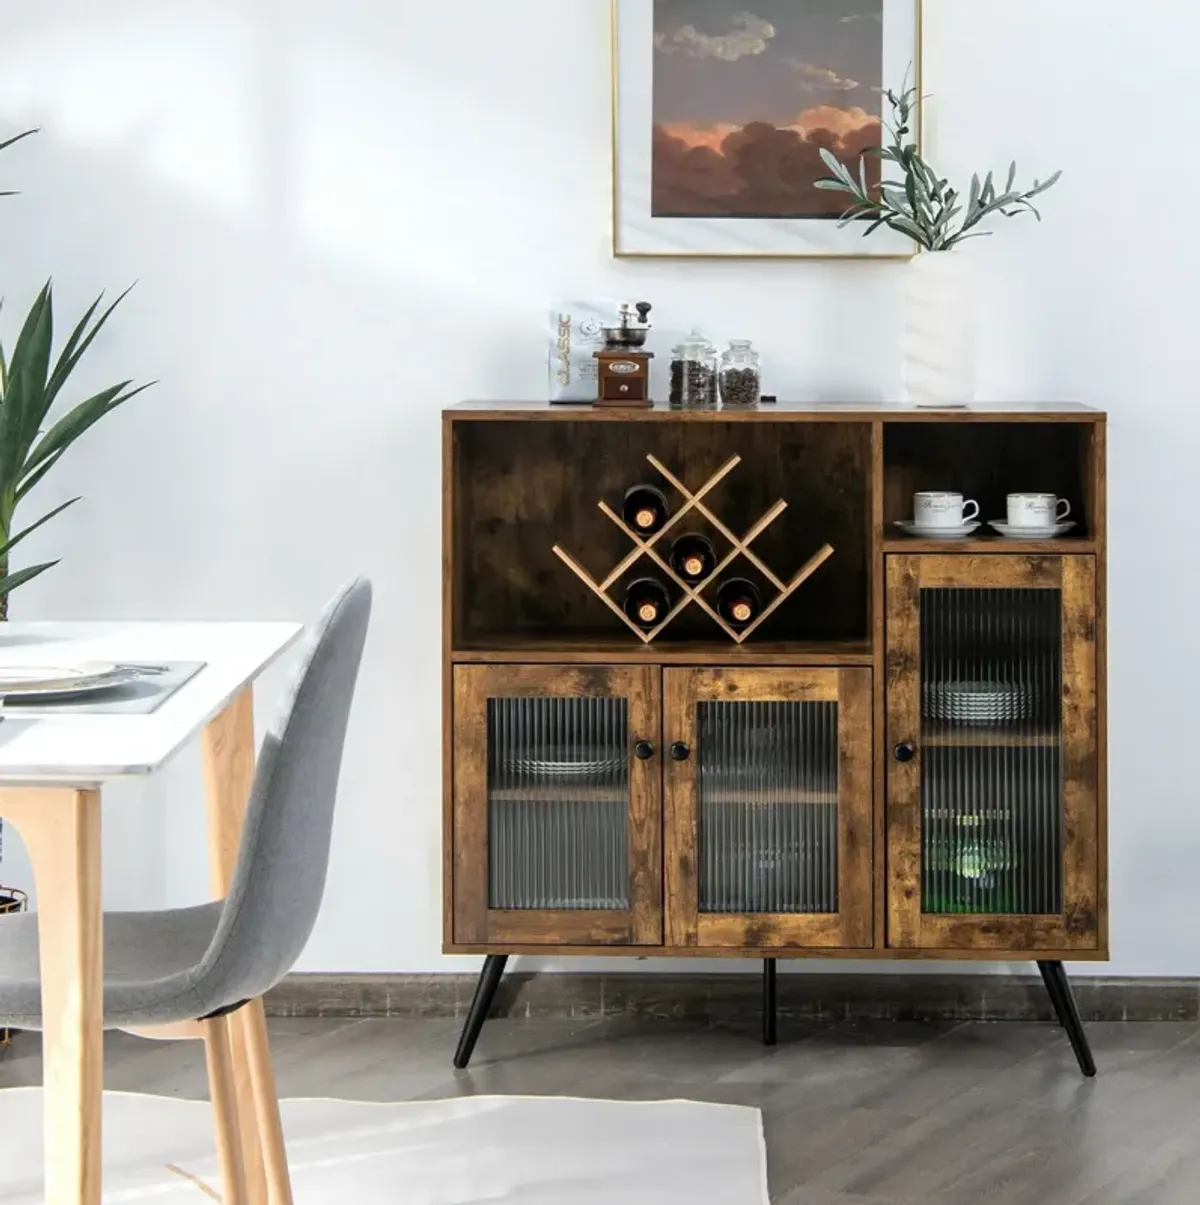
<point>58,681</point>
<point>1009,532</point>
<point>937,533</point>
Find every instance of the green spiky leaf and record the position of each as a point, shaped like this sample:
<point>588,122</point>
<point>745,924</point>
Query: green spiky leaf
<point>15,540</point>
<point>10,581</point>
<point>31,381</point>
<point>76,421</point>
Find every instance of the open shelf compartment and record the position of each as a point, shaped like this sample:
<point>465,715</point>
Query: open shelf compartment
<point>521,488</point>
<point>987,461</point>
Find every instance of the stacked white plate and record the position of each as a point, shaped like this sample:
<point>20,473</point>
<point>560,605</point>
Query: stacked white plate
<point>560,765</point>
<point>978,702</point>
<point>61,681</point>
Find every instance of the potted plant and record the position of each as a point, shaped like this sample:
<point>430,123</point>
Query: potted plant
<point>939,353</point>
<point>30,384</point>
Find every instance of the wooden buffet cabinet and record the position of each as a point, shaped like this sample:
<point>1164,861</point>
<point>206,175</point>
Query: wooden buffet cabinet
<point>808,792</point>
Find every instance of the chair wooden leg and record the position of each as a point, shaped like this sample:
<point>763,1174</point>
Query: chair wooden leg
<point>219,1055</point>
<point>266,1103</point>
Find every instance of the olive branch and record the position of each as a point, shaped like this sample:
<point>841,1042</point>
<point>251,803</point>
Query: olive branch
<point>923,205</point>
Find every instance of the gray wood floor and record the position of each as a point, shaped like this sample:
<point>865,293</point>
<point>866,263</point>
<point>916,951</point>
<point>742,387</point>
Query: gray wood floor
<point>859,1112</point>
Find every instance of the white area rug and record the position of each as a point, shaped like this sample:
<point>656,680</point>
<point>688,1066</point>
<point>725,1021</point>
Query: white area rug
<point>511,1149</point>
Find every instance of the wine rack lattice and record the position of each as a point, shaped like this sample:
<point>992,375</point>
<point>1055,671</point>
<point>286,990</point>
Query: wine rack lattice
<point>692,592</point>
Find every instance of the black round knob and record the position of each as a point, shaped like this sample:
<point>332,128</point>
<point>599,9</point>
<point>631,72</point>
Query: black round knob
<point>643,750</point>
<point>680,751</point>
<point>905,751</point>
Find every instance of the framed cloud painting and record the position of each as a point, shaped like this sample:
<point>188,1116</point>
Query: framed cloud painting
<point>720,110</point>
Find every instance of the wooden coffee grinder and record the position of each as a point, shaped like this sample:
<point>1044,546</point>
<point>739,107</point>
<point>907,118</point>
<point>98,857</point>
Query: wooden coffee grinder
<point>624,368</point>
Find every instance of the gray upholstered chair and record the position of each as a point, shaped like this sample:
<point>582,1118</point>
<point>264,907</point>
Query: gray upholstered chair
<point>197,965</point>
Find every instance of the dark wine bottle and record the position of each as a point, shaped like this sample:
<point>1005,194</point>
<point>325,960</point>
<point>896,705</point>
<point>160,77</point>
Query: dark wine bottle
<point>739,602</point>
<point>693,557</point>
<point>644,509</point>
<point>647,602</point>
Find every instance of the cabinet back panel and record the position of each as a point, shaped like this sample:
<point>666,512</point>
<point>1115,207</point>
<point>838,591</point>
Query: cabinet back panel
<point>520,488</point>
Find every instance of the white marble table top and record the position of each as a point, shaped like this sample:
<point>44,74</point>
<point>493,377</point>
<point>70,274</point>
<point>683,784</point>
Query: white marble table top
<point>84,750</point>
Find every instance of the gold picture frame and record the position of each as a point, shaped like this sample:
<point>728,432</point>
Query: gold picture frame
<point>618,10</point>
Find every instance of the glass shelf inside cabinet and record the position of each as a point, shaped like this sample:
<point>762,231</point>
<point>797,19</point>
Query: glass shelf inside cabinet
<point>558,803</point>
<point>991,763</point>
<point>767,783</point>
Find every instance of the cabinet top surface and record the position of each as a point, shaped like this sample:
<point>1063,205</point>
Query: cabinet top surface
<point>781,411</point>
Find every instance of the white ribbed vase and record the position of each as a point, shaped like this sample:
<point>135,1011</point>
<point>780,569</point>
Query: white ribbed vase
<point>939,329</point>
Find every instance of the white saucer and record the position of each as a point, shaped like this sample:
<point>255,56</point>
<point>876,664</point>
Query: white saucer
<point>1029,533</point>
<point>937,533</point>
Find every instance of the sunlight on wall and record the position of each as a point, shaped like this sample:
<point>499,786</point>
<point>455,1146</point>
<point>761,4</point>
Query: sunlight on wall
<point>310,136</point>
<point>170,88</point>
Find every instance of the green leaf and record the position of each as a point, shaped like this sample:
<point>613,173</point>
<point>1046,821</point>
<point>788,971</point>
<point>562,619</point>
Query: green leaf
<point>1040,188</point>
<point>962,238</point>
<point>29,482</point>
<point>828,185</point>
<point>901,223</point>
<point>1012,175</point>
<point>58,510</point>
<point>856,213</point>
<point>80,340</point>
<point>77,420</point>
<point>24,382</point>
<point>17,138</point>
<point>895,198</point>
<point>9,582</point>
<point>835,165</point>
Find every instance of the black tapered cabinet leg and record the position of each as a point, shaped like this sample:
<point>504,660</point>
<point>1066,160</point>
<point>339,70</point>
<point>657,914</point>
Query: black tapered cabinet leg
<point>770,1034</point>
<point>485,993</point>
<point>1059,988</point>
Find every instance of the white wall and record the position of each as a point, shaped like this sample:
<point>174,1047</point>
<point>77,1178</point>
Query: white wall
<point>344,215</point>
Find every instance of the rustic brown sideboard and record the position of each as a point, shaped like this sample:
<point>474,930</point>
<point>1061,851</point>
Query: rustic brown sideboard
<point>807,792</point>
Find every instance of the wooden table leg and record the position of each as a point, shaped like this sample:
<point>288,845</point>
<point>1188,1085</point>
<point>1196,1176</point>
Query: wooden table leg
<point>61,831</point>
<point>227,746</point>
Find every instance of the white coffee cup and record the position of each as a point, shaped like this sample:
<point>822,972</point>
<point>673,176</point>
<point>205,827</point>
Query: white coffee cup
<point>1037,510</point>
<point>937,508</point>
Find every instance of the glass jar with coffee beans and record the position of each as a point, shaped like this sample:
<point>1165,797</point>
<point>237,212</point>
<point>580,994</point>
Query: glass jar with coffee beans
<point>694,373</point>
<point>741,375</point>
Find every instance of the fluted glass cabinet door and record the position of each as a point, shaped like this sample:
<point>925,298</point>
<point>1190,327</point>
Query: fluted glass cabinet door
<point>992,804</point>
<point>768,807</point>
<point>556,813</point>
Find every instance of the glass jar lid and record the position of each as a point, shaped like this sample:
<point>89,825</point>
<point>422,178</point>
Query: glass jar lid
<point>696,346</point>
<point>741,351</point>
